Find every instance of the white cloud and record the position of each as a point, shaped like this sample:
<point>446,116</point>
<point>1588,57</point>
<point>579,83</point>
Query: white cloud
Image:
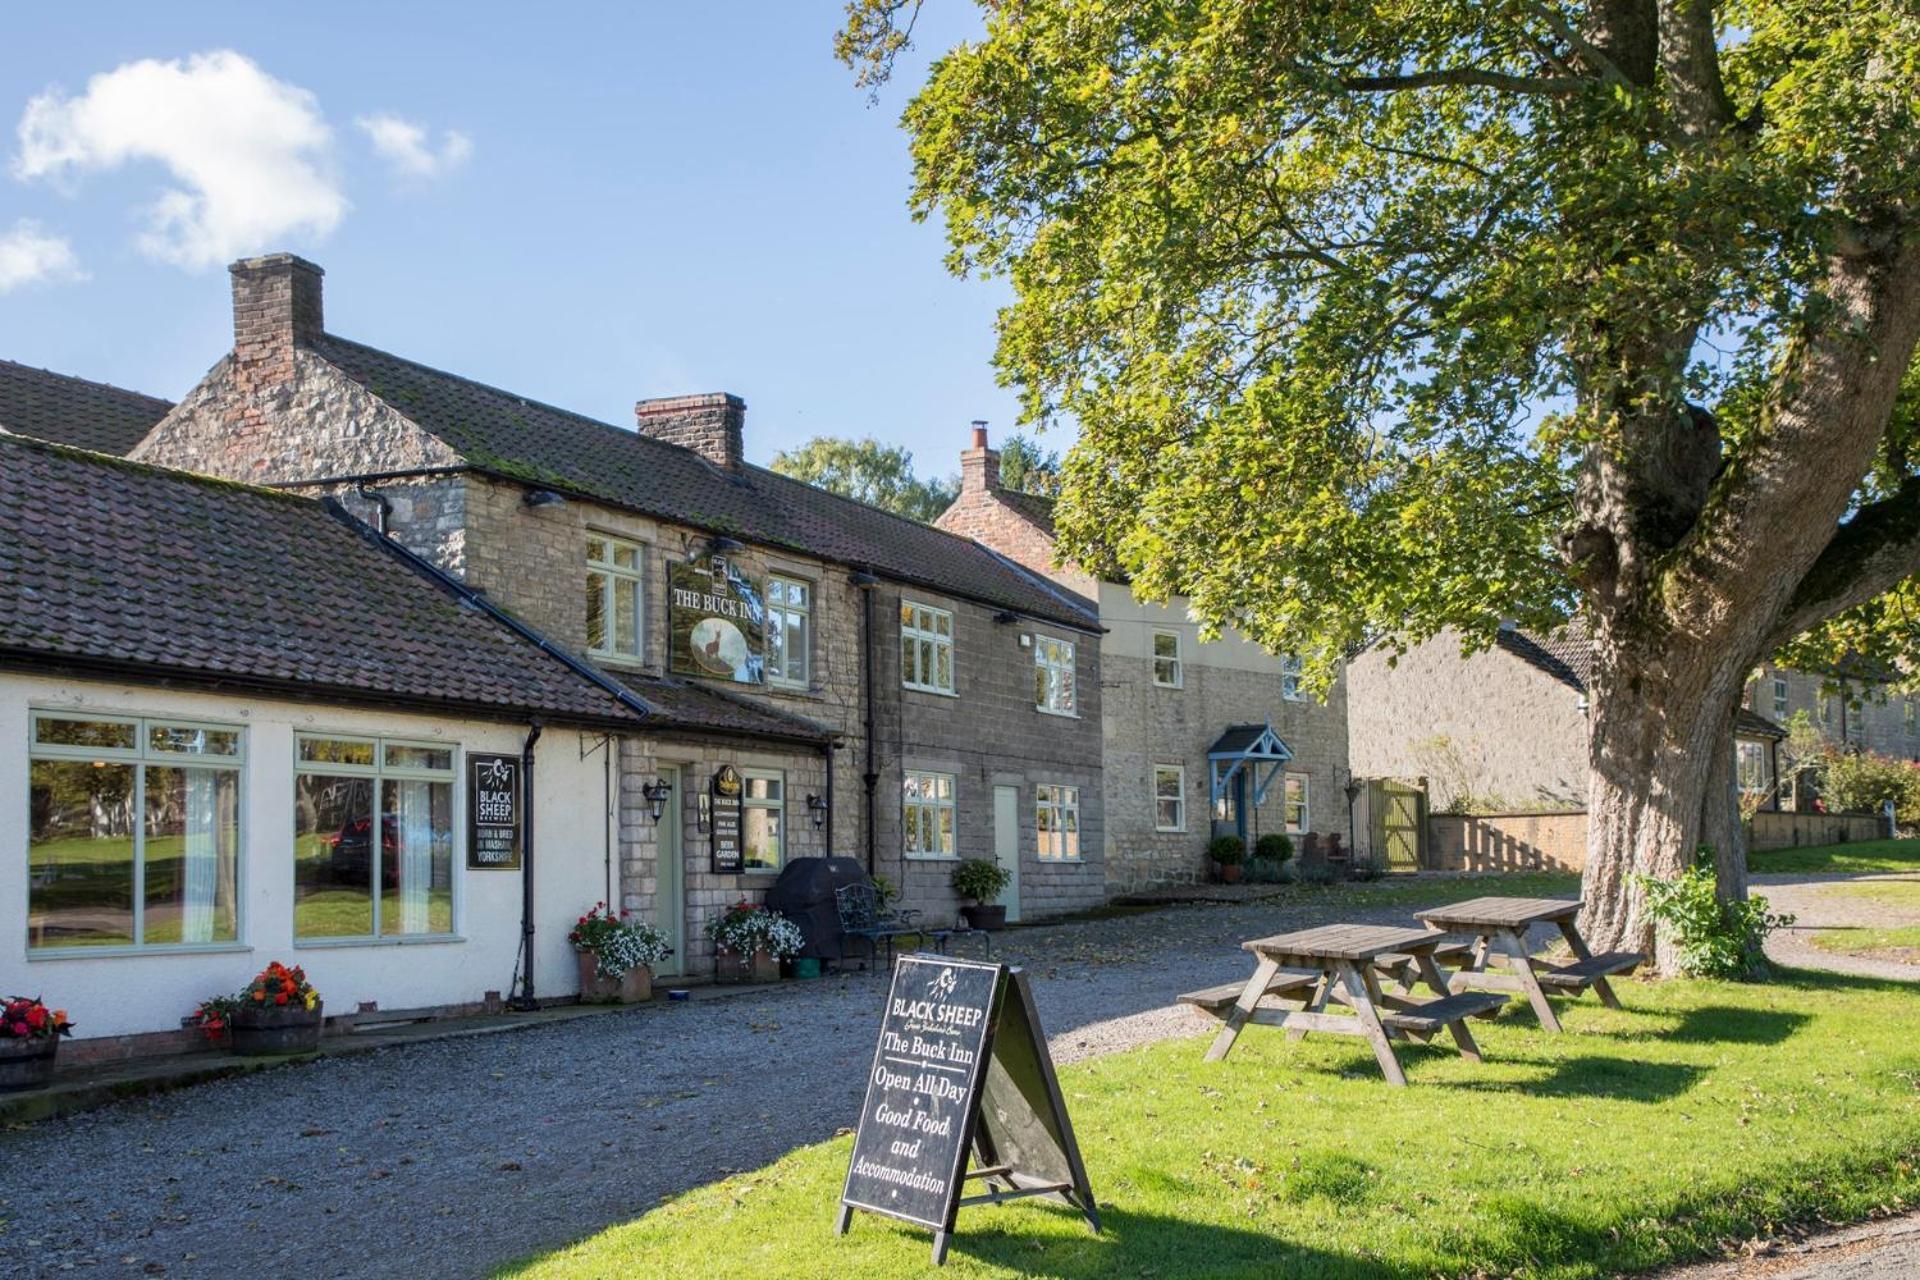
<point>408,146</point>
<point>29,255</point>
<point>250,153</point>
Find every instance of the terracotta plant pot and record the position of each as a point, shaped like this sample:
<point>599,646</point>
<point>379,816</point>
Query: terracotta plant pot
<point>635,986</point>
<point>984,916</point>
<point>1230,872</point>
<point>27,1063</point>
<point>761,966</point>
<point>279,1030</point>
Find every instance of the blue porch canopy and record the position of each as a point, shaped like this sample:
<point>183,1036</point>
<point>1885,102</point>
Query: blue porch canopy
<point>1255,748</point>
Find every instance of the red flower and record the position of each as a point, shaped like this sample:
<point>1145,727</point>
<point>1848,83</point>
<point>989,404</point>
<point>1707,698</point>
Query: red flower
<point>281,998</point>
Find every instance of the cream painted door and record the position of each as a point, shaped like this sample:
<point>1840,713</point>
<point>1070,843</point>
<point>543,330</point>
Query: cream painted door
<point>1006,845</point>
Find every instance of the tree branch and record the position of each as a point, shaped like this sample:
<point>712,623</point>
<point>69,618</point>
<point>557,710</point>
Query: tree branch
<point>1691,61</point>
<point>1871,554</point>
<point>1506,83</point>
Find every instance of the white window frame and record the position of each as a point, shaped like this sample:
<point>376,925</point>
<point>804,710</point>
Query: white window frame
<point>935,805</point>
<point>380,771</point>
<point>1179,797</point>
<point>1287,802</point>
<point>1779,695</point>
<point>1177,658</point>
<point>1745,749</point>
<point>140,755</point>
<point>749,801</point>
<point>928,641</point>
<point>1912,717</point>
<point>611,575</point>
<point>1290,673</point>
<point>1059,800</point>
<point>1055,677</point>
<point>776,675</point>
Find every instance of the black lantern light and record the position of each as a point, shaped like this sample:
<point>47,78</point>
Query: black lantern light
<point>657,793</point>
<point>817,806</point>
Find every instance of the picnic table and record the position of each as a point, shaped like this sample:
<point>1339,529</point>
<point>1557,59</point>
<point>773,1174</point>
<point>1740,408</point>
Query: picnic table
<point>1296,975</point>
<point>1501,924</point>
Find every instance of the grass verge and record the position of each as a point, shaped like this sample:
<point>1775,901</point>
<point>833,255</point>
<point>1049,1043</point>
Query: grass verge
<point>1701,1114</point>
<point>1901,943</point>
<point>1862,857</point>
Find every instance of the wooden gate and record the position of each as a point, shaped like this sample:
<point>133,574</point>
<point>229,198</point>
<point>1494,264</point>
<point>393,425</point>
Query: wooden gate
<point>1398,814</point>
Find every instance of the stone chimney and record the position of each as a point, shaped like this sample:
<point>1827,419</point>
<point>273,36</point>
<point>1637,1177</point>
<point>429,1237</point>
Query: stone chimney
<point>276,307</point>
<point>711,425</point>
<point>979,466</point>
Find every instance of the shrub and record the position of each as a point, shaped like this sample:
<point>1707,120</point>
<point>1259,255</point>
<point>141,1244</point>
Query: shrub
<point>1716,939</point>
<point>1273,845</point>
<point>618,943</point>
<point>1228,851</point>
<point>979,879</point>
<point>1319,873</point>
<point>1864,782</point>
<point>1364,867</point>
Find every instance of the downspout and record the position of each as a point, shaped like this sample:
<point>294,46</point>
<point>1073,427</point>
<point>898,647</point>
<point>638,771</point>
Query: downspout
<point>381,503</point>
<point>870,780</point>
<point>526,1000</point>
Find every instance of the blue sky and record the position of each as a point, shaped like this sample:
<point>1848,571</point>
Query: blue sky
<point>586,204</point>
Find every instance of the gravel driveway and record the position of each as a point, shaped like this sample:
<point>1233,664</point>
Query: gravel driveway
<point>1814,906</point>
<point>451,1157</point>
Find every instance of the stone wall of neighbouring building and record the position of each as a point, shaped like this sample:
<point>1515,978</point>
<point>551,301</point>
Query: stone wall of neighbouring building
<point>1867,714</point>
<point>1487,727</point>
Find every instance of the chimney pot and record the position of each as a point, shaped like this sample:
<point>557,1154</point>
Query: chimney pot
<point>979,433</point>
<point>276,308</point>
<point>979,466</point>
<point>712,425</point>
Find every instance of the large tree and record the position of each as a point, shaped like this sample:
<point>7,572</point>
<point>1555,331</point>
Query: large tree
<point>1391,318</point>
<point>880,474</point>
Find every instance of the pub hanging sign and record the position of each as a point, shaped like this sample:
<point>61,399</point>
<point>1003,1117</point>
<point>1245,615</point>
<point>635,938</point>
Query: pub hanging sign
<point>724,822</point>
<point>494,796</point>
<point>716,621</point>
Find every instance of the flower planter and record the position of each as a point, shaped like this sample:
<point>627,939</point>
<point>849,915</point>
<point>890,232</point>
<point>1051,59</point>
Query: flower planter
<point>1230,872</point>
<point>635,986</point>
<point>761,966</point>
<point>260,1033</point>
<point>27,1063</point>
<point>985,916</point>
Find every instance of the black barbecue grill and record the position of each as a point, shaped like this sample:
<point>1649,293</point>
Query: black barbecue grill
<point>804,894</point>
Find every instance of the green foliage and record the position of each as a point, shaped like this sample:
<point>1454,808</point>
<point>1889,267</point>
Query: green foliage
<point>1228,851</point>
<point>1365,867</point>
<point>1316,873</point>
<point>979,879</point>
<point>1273,845</point>
<point>1025,467</point>
<point>871,472</point>
<point>1343,298</point>
<point>1863,782</point>
<point>1716,939</point>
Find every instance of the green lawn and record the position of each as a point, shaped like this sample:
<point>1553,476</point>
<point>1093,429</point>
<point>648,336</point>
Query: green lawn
<point>1861,857</point>
<point>1886,893</point>
<point>1700,1115</point>
<point>1898,943</point>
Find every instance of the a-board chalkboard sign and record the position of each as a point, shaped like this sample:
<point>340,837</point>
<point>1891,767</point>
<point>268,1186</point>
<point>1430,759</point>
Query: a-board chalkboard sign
<point>961,1069</point>
<point>493,812</point>
<point>724,820</point>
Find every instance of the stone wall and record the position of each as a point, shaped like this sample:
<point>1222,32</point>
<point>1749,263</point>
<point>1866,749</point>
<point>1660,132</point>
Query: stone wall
<point>1507,842</point>
<point>1791,830</point>
<point>1488,726</point>
<point>1870,715</point>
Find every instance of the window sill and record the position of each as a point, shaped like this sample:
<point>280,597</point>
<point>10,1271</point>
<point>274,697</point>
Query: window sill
<point>122,953</point>
<point>938,693</point>
<point>1162,685</point>
<point>931,857</point>
<point>617,661</point>
<point>1064,715</point>
<point>1170,831</point>
<point>405,940</point>
<point>1060,862</point>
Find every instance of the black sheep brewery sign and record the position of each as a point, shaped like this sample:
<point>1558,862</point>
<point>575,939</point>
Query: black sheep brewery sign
<point>493,812</point>
<point>717,621</point>
<point>961,1072</point>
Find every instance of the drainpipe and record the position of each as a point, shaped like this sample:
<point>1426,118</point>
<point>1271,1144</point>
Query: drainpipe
<point>866,583</point>
<point>828,751</point>
<point>526,1000</point>
<point>381,502</point>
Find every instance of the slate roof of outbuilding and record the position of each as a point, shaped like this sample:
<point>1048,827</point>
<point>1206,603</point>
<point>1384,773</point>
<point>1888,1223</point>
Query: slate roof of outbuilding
<point>678,702</point>
<point>89,415</point>
<point>1567,655</point>
<point>149,573</point>
<point>537,444</point>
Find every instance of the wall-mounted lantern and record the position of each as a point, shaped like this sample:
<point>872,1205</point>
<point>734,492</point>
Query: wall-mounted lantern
<point>817,806</point>
<point>657,793</point>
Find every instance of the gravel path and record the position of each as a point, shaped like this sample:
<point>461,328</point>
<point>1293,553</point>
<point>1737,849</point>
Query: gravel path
<point>1885,1250</point>
<point>1815,906</point>
<point>451,1157</point>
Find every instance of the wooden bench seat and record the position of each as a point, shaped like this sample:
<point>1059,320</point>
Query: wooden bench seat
<point>1581,973</point>
<point>1451,950</point>
<point>1434,1015</point>
<point>1217,1000</point>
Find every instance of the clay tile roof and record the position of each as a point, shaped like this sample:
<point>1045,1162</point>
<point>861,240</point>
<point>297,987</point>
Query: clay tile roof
<point>1751,724</point>
<point>537,444</point>
<point>681,704</point>
<point>1567,655</point>
<point>88,415</point>
<point>116,567</point>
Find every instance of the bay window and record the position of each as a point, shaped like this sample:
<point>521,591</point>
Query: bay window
<point>615,601</point>
<point>372,839</point>
<point>134,833</point>
<point>1056,822</point>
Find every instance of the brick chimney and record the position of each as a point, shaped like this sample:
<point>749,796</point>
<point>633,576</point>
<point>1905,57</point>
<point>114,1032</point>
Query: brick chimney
<point>979,466</point>
<point>711,425</point>
<point>276,307</point>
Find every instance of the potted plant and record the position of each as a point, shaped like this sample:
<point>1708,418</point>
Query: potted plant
<point>29,1038</point>
<point>279,1012</point>
<point>214,1017</point>
<point>1227,853</point>
<point>981,880</point>
<point>749,942</point>
<point>616,955</point>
